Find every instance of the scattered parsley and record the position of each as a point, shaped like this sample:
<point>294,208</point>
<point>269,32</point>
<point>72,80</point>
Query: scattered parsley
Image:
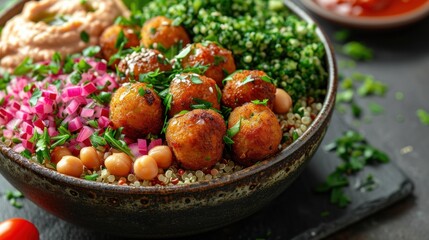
<point>12,197</point>
<point>357,51</point>
<point>230,133</point>
<point>355,153</point>
<point>423,116</point>
<point>91,51</point>
<point>342,35</point>
<point>91,177</point>
<point>35,97</point>
<point>259,102</point>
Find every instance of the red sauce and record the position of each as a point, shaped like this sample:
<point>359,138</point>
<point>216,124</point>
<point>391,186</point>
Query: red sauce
<point>371,8</point>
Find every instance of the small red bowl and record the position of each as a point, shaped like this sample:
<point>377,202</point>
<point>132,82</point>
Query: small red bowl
<point>379,22</point>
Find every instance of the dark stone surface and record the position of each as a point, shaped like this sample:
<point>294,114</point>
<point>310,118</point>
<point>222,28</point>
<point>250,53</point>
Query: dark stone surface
<point>401,61</point>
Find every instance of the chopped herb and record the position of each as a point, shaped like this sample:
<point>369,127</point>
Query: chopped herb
<point>248,79</point>
<point>121,40</point>
<point>91,177</point>
<point>55,64</point>
<point>342,35</point>
<point>25,67</point>
<point>259,102</point>
<point>195,79</point>
<point>423,116</point>
<point>357,51</point>
<point>356,110</point>
<point>62,137</point>
<point>218,60</point>
<point>230,133</point>
<point>143,92</point>
<point>113,138</point>
<point>35,97</point>
<point>356,153</point>
<point>375,108</point>
<point>184,52</point>
<point>42,146</point>
<point>267,79</point>
<point>368,184</point>
<point>92,123</point>
<point>26,153</point>
<point>201,104</point>
<point>97,140</point>
<point>82,66</point>
<point>91,51</point>
<point>295,136</point>
<point>345,96</point>
<point>75,78</point>
<point>84,36</point>
<point>372,87</point>
<point>12,197</point>
<point>102,97</point>
<point>152,30</point>
<point>399,96</point>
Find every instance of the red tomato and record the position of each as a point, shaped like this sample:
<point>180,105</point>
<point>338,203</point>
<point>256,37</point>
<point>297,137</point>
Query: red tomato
<point>18,228</point>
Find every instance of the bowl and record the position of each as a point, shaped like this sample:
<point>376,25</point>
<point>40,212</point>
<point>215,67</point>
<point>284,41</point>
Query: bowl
<point>171,211</point>
<point>382,22</point>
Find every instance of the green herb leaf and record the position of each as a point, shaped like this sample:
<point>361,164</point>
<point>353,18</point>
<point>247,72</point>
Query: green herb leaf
<point>184,52</point>
<point>35,97</point>
<point>91,51</point>
<point>248,79</point>
<point>121,40</point>
<point>201,104</point>
<point>230,133</point>
<point>112,137</point>
<point>91,177</point>
<point>357,51</point>
<point>25,67</point>
<point>196,80</point>
<point>259,102</point>
<point>55,64</point>
<point>423,116</point>
<point>82,66</point>
<point>84,36</point>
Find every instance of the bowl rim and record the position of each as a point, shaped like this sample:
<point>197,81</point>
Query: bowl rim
<point>323,116</point>
<point>369,21</point>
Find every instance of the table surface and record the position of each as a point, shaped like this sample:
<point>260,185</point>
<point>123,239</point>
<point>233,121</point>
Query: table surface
<point>402,62</point>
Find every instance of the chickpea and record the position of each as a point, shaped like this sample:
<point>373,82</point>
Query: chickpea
<point>58,153</point>
<point>282,102</point>
<point>145,167</point>
<point>90,157</point>
<point>70,165</point>
<point>162,155</point>
<point>118,164</point>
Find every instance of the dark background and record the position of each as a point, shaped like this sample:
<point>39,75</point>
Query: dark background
<point>401,60</point>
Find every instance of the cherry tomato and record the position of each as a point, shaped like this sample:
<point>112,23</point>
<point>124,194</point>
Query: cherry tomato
<point>18,228</point>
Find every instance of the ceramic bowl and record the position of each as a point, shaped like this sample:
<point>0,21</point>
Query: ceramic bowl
<point>386,22</point>
<point>172,210</point>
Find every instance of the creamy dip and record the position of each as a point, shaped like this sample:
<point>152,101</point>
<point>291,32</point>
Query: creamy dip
<point>49,26</point>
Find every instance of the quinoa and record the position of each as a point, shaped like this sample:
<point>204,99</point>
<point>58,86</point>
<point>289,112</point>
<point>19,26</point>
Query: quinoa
<point>276,41</point>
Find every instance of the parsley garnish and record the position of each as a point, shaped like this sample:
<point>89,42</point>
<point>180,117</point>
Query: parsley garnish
<point>356,153</point>
<point>259,102</point>
<point>357,51</point>
<point>91,51</point>
<point>195,79</point>
<point>12,197</point>
<point>423,116</point>
<point>35,97</point>
<point>113,138</point>
<point>230,133</point>
<point>91,177</point>
<point>25,67</point>
<point>84,36</point>
<point>184,52</point>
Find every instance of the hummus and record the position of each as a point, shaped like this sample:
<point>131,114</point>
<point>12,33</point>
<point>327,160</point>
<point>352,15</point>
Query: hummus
<point>49,26</point>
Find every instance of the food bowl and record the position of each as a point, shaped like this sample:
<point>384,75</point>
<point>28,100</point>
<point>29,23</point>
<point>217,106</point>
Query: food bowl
<point>369,22</point>
<point>169,211</point>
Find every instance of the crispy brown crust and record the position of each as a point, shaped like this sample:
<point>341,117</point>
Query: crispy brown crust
<point>259,136</point>
<point>138,115</point>
<point>219,60</point>
<point>185,92</point>
<point>196,138</point>
<point>237,92</point>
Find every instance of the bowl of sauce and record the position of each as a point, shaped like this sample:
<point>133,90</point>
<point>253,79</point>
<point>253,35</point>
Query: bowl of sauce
<point>370,14</point>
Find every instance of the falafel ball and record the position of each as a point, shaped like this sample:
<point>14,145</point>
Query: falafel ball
<point>248,85</point>
<point>138,109</point>
<point>109,37</point>
<point>259,134</point>
<point>219,60</point>
<point>142,62</point>
<point>196,138</point>
<point>189,90</point>
<point>160,33</point>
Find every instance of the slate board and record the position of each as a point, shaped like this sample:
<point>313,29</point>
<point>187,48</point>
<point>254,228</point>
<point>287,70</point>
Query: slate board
<point>296,214</point>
